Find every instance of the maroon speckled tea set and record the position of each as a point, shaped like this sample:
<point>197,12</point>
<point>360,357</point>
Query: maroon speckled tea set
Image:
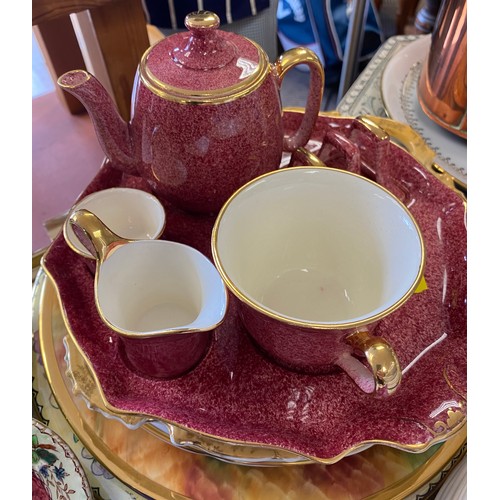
<point>313,309</point>
<point>206,114</point>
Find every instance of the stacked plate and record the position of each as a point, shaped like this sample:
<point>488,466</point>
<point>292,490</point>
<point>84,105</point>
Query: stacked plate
<point>56,471</point>
<point>400,96</point>
<point>216,409</point>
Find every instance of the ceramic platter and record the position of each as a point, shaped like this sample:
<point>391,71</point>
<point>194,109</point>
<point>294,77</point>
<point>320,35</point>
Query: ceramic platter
<point>85,385</point>
<point>399,94</point>
<point>56,472</point>
<point>125,463</point>
<point>239,406</point>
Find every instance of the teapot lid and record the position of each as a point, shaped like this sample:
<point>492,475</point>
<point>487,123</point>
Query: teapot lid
<point>203,65</point>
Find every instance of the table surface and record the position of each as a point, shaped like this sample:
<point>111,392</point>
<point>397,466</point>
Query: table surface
<point>364,97</point>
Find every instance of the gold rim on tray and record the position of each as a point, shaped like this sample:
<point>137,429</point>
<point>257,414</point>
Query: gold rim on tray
<point>102,436</point>
<point>96,438</point>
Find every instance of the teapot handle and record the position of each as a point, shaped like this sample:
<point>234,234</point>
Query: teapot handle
<point>287,60</point>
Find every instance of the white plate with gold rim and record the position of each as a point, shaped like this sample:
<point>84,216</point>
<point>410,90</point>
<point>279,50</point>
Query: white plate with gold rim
<point>399,93</point>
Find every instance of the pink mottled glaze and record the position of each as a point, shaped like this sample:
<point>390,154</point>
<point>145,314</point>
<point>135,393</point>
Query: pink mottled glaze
<point>373,152</point>
<point>306,350</point>
<point>165,356</point>
<point>196,154</point>
<point>236,393</point>
<point>338,150</point>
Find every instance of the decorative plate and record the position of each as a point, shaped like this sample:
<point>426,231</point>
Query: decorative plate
<point>56,472</point>
<point>85,386</point>
<point>399,93</point>
<point>455,486</point>
<point>238,396</point>
<point>137,464</point>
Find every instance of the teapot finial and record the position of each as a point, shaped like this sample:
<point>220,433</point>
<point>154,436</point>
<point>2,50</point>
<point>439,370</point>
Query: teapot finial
<point>202,20</point>
<point>204,49</point>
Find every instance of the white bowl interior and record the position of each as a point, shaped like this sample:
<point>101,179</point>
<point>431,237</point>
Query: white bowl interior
<point>318,245</point>
<point>153,285</point>
<point>130,213</point>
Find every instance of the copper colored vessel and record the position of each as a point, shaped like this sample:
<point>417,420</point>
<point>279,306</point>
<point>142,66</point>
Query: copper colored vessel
<point>442,88</point>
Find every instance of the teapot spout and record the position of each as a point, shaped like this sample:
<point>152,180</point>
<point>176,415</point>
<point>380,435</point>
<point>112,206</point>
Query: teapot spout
<point>112,131</point>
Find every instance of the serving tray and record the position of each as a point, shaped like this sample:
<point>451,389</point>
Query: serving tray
<point>237,396</point>
<point>121,462</point>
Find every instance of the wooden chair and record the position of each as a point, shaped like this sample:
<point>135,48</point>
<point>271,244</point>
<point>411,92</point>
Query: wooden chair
<point>121,32</point>
<point>66,153</point>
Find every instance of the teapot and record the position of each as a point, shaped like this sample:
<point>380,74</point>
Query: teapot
<point>206,114</point>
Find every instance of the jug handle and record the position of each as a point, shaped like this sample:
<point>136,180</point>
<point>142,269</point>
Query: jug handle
<point>303,157</point>
<point>288,60</point>
<point>103,240</point>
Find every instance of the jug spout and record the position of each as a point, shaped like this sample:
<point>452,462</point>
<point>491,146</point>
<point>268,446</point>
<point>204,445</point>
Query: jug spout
<point>112,131</point>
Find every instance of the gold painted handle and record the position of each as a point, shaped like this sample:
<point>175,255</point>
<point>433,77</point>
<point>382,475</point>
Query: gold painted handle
<point>414,143</point>
<point>304,157</point>
<point>382,360</point>
<point>103,240</point>
<point>288,60</point>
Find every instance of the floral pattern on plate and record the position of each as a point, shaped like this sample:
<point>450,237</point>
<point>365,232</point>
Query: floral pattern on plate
<point>56,472</point>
